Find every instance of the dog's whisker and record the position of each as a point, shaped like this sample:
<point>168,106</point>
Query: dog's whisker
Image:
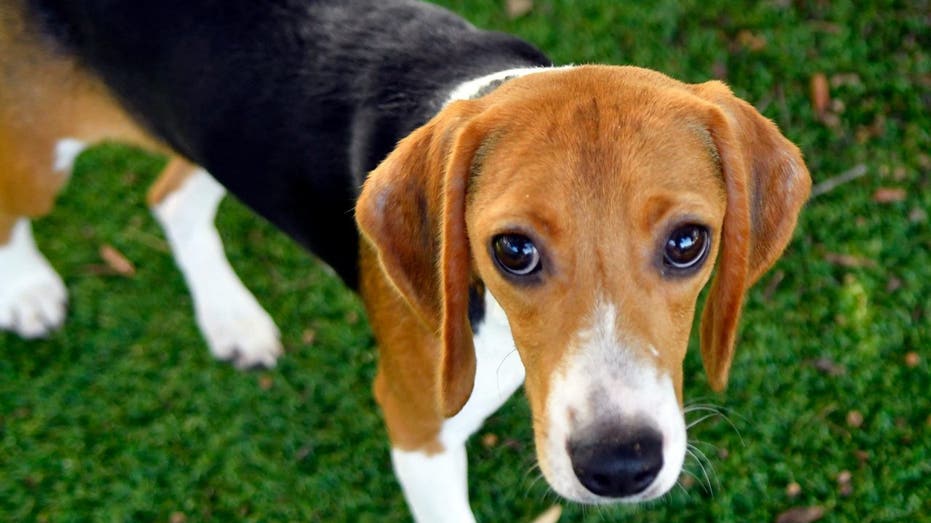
<point>725,412</point>
<point>681,486</point>
<point>701,419</point>
<point>706,444</point>
<point>702,459</point>
<point>716,411</point>
<point>698,453</point>
<point>501,364</point>
<point>699,408</point>
<point>704,479</point>
<point>736,430</point>
<point>533,483</point>
<point>534,470</point>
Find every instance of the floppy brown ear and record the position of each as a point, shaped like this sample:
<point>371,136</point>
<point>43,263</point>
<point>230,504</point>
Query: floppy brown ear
<point>412,211</point>
<point>767,183</point>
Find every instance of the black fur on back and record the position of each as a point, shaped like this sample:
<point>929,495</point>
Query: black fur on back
<point>288,103</point>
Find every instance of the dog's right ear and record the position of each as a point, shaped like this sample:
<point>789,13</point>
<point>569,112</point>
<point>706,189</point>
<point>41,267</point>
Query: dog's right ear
<point>412,211</point>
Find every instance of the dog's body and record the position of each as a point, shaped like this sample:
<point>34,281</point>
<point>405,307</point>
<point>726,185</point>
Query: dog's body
<point>571,214</point>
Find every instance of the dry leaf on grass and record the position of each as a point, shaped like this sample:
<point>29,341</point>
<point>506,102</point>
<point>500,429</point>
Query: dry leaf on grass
<point>266,382</point>
<point>801,515</point>
<point>855,419</point>
<point>918,215</point>
<point>889,195</point>
<point>820,93</point>
<point>550,516</point>
<point>519,8</point>
<point>893,284</point>
<point>844,486</point>
<point>849,261</point>
<point>752,41</point>
<point>116,261</point>
<point>829,366</point>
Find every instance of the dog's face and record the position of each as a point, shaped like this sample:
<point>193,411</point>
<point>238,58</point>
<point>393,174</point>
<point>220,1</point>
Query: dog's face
<point>594,204</point>
<point>596,243</point>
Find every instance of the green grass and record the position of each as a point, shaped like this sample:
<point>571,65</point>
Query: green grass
<point>123,415</point>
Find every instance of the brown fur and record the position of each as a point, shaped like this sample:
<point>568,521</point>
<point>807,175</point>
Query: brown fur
<point>170,180</point>
<point>46,96</point>
<point>405,385</point>
<point>767,185</point>
<point>419,236</point>
<point>592,160</point>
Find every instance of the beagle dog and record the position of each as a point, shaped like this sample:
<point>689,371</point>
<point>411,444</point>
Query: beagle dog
<point>520,223</point>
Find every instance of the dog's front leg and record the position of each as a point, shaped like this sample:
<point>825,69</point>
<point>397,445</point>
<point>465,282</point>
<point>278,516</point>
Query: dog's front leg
<point>435,485</point>
<point>234,324</point>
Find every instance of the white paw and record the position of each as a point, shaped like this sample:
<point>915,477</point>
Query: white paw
<point>235,326</point>
<point>33,299</point>
<point>238,330</point>
<point>33,305</point>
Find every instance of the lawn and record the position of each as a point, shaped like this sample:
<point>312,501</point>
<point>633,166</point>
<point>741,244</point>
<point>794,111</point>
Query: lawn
<point>123,415</point>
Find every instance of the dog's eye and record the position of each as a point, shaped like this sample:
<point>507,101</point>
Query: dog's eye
<point>516,254</point>
<point>686,247</point>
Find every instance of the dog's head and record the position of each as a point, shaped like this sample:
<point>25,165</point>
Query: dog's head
<point>594,204</point>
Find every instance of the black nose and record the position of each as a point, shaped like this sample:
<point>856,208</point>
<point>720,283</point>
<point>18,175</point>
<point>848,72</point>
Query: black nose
<point>617,463</point>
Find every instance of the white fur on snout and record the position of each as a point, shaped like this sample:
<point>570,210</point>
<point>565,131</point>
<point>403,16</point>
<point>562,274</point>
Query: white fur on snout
<point>233,323</point>
<point>33,298</point>
<point>606,382</point>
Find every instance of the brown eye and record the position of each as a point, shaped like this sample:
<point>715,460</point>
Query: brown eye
<point>686,247</point>
<point>516,254</point>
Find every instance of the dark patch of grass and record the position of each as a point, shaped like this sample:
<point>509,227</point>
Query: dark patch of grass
<point>123,416</point>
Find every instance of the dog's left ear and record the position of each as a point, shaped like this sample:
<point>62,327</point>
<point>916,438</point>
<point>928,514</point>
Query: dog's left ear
<point>767,183</point>
<point>412,212</point>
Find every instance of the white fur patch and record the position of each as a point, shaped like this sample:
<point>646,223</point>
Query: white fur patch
<point>33,299</point>
<point>436,486</point>
<point>66,152</point>
<point>470,88</point>
<point>601,365</point>
<point>233,323</point>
